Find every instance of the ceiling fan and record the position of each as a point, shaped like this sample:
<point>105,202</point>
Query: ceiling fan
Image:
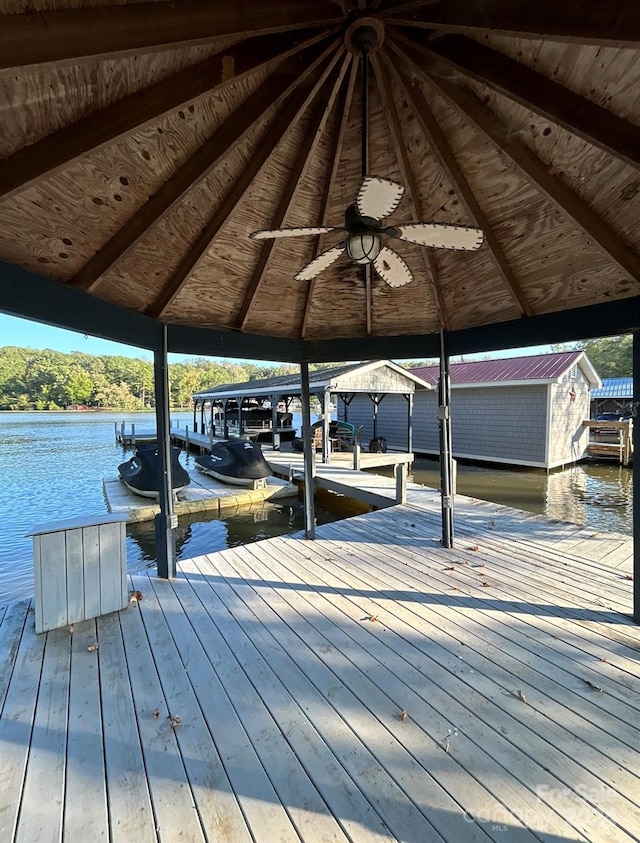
<point>377,198</point>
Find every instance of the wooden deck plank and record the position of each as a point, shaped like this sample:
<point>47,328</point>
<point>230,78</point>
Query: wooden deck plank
<point>507,707</point>
<point>85,808</point>
<point>252,788</point>
<point>337,788</point>
<point>219,807</point>
<point>457,576</point>
<point>130,809</point>
<point>42,806</point>
<point>348,647</point>
<point>434,709</point>
<point>14,617</point>
<point>403,817</point>
<point>173,802</point>
<point>16,726</point>
<point>263,769</point>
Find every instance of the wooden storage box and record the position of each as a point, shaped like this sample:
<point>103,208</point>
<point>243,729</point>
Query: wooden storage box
<point>80,567</point>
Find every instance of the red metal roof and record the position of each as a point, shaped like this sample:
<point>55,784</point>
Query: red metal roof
<point>535,368</point>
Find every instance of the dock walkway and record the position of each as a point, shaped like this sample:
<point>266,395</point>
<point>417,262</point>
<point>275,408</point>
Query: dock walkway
<point>367,686</point>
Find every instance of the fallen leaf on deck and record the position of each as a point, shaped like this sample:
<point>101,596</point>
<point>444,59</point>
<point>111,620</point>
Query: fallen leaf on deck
<point>403,715</point>
<point>70,629</point>
<point>473,547</point>
<point>521,696</point>
<point>135,596</point>
<point>92,647</point>
<point>176,720</point>
<point>485,584</point>
<point>450,568</point>
<point>592,685</point>
<point>155,713</point>
<point>373,618</point>
<point>628,577</point>
<point>445,745</point>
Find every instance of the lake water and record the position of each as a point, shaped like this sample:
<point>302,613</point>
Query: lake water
<point>52,466</point>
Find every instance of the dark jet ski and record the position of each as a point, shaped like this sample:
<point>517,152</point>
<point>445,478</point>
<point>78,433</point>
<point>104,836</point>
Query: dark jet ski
<point>141,473</point>
<point>235,461</point>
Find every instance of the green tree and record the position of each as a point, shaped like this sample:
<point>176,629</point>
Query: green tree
<point>612,357</point>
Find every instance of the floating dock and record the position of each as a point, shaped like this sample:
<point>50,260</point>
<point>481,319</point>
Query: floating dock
<point>203,494</point>
<point>617,446</point>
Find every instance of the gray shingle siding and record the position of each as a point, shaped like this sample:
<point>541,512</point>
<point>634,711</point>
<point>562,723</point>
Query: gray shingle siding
<point>501,424</point>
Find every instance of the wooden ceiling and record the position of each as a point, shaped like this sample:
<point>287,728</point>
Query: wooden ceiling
<point>141,143</point>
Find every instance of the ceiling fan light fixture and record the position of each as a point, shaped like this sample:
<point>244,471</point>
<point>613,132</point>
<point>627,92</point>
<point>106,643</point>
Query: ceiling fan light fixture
<point>364,247</point>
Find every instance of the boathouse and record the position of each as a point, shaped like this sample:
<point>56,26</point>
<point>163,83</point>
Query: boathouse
<point>519,411</point>
<point>614,396</point>
<point>338,387</point>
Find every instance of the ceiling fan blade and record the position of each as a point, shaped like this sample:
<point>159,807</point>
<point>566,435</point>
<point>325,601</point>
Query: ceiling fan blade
<point>441,235</point>
<point>291,232</point>
<point>392,268</point>
<point>378,198</point>
<point>317,265</point>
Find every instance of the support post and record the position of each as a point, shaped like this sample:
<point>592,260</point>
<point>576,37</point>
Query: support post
<point>133,433</point>
<point>444,425</point>
<point>409,399</point>
<point>636,481</point>
<point>401,483</point>
<point>326,421</point>
<point>309,463</point>
<point>165,520</point>
<point>275,435</point>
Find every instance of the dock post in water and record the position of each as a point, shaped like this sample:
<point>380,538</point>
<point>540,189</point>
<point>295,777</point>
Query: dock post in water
<point>186,438</point>
<point>401,483</point>
<point>133,433</point>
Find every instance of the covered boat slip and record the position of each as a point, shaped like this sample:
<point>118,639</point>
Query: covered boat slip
<point>370,685</point>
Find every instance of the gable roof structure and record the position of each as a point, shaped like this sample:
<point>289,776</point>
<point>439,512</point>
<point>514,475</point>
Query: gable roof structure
<point>514,371</point>
<point>376,376</point>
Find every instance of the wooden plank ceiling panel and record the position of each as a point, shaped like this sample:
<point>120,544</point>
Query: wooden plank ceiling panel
<point>143,143</point>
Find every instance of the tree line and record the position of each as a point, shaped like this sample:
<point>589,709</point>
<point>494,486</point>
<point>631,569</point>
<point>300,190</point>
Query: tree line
<point>32,379</point>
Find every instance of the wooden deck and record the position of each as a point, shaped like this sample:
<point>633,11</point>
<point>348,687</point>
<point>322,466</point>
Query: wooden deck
<point>367,686</point>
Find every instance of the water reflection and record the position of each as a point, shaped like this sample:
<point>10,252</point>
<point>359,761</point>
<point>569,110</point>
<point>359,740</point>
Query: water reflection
<point>206,532</point>
<point>597,494</point>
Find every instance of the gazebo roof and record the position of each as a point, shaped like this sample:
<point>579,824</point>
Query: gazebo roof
<point>142,143</point>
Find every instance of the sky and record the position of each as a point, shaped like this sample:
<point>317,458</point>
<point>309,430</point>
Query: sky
<point>27,334</point>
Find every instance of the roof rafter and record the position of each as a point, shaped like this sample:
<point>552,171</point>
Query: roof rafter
<point>393,121</point>
<point>335,165</point>
<point>581,21</point>
<point>104,31</point>
<point>449,163</point>
<point>130,113</point>
<point>258,106</point>
<point>311,139</point>
<point>567,202</point>
<point>274,134</point>
<point>527,87</point>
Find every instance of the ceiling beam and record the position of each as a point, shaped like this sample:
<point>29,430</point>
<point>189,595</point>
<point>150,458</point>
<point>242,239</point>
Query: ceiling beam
<point>312,136</point>
<point>393,121</point>
<point>129,114</point>
<point>449,164</point>
<point>345,108</point>
<point>581,21</point>
<point>286,119</point>
<point>550,99</point>
<point>536,172</point>
<point>257,107</point>
<point>105,31</point>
